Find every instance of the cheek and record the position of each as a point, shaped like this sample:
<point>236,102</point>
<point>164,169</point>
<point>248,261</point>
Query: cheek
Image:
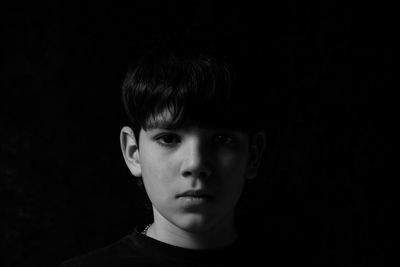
<point>157,170</point>
<point>233,163</point>
<point>232,172</point>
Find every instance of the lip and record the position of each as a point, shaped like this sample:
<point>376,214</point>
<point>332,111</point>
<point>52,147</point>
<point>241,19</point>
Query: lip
<point>196,194</point>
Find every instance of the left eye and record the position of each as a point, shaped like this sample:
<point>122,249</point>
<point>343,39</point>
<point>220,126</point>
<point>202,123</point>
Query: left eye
<point>223,139</point>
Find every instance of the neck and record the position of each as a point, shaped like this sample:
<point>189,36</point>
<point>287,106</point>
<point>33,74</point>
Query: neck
<point>218,235</point>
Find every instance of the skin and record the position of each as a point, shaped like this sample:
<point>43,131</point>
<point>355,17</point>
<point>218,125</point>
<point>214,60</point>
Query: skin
<point>193,158</point>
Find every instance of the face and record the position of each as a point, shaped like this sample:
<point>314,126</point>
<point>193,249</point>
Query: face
<point>193,176</point>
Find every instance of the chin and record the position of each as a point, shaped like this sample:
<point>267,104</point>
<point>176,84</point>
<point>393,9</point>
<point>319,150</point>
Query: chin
<point>195,223</point>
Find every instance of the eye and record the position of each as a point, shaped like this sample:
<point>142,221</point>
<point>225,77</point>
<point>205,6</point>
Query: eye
<point>168,139</point>
<point>223,139</point>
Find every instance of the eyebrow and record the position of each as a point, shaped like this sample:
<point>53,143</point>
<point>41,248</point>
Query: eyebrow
<point>175,124</point>
<point>162,124</point>
<point>169,125</point>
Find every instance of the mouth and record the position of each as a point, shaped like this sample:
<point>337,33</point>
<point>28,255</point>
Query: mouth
<point>196,195</point>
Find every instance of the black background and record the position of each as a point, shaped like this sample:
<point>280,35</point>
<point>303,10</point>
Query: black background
<point>65,188</point>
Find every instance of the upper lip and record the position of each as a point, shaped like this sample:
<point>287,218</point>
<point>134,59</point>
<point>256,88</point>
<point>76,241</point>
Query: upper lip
<point>195,193</point>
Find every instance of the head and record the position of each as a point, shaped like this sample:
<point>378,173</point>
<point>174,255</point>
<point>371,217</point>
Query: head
<point>192,131</point>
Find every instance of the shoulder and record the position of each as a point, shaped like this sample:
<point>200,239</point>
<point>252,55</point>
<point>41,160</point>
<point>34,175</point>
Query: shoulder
<point>116,254</point>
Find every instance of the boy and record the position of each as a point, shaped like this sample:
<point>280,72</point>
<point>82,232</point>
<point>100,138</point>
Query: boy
<point>192,146</point>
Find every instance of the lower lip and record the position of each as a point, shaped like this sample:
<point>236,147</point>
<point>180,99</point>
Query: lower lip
<point>195,200</point>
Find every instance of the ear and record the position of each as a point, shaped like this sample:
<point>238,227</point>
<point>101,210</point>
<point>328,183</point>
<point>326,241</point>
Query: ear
<point>256,149</point>
<point>130,150</point>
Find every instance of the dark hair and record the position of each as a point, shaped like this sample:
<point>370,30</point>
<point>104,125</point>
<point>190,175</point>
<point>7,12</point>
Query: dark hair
<point>199,78</point>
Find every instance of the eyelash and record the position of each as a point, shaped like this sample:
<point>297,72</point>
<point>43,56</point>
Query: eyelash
<point>161,140</point>
<point>226,142</point>
<point>176,139</point>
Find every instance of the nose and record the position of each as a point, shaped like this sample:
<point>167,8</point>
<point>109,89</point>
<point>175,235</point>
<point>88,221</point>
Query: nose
<point>195,163</point>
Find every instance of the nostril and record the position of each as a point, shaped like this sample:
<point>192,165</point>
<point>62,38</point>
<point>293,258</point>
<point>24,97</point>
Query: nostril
<point>196,162</point>
<point>205,173</point>
<point>197,174</point>
<point>186,174</point>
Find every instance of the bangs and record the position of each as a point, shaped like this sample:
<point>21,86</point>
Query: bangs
<point>204,78</point>
<point>175,92</point>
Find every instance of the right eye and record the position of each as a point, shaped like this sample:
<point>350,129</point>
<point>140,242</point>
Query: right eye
<point>168,139</point>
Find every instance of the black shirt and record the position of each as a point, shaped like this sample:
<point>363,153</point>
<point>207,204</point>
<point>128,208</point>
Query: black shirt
<point>137,249</point>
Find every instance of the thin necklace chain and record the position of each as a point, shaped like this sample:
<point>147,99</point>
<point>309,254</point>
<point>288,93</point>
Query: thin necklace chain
<point>144,232</point>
